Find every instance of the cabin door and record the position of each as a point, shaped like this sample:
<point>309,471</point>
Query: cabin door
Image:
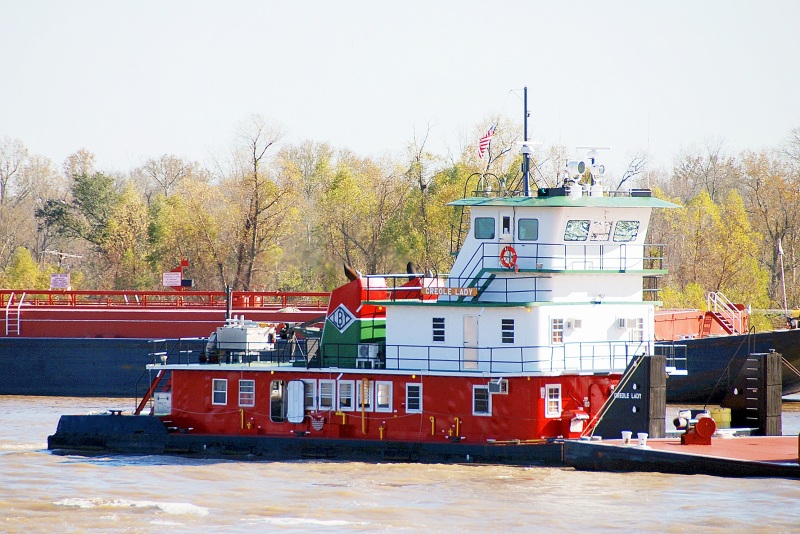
<point>470,342</point>
<point>295,412</point>
<point>277,401</point>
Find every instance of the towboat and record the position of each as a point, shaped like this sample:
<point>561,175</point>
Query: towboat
<point>537,335</point>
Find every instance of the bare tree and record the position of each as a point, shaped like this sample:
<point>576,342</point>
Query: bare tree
<point>264,200</point>
<point>166,172</point>
<point>13,156</point>
<point>79,163</point>
<point>635,168</point>
<point>711,171</point>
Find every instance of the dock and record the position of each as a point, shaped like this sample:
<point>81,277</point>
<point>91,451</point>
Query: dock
<point>728,456</point>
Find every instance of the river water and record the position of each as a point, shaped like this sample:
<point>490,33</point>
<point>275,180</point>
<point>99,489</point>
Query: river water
<point>43,492</point>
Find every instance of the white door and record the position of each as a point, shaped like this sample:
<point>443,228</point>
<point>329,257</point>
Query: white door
<point>470,342</point>
<point>296,409</point>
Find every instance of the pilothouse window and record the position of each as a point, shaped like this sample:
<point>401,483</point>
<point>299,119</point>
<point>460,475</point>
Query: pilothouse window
<point>600,231</point>
<point>484,227</point>
<point>576,231</point>
<point>528,229</point>
<point>625,231</point>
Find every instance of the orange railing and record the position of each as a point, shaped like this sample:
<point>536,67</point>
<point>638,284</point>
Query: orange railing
<point>155,299</point>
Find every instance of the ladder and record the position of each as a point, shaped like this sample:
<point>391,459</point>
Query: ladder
<point>13,315</point>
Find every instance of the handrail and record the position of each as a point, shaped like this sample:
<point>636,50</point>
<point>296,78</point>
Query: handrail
<point>573,256</point>
<point>154,299</point>
<point>577,356</point>
<point>718,303</point>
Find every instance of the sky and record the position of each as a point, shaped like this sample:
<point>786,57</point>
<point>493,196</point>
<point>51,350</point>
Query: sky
<point>130,81</point>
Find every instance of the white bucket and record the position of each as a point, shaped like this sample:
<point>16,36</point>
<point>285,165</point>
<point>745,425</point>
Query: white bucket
<point>626,437</point>
<point>642,439</point>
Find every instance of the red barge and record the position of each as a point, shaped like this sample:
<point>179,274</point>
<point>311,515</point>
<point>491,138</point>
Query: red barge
<point>96,343</point>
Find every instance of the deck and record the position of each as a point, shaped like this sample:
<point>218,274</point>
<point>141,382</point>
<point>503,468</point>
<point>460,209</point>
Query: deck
<point>741,456</point>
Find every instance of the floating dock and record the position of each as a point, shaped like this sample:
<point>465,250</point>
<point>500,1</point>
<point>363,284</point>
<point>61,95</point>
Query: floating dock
<point>737,456</point>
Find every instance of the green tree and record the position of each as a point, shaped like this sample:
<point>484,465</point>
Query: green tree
<point>22,272</point>
<point>772,189</point>
<point>713,246</point>
<point>126,245</point>
<point>358,211</point>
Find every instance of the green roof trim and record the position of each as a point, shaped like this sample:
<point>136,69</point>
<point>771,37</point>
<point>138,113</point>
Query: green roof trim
<point>579,271</point>
<point>482,304</point>
<point>567,201</point>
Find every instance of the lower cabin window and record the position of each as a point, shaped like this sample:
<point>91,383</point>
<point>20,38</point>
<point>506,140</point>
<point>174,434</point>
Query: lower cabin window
<point>327,390</point>
<point>552,400</point>
<point>364,394</point>
<point>310,394</point>
<point>413,398</point>
<point>346,395</point>
<point>383,397</point>
<point>247,393</point>
<point>481,400</point>
<point>219,391</point>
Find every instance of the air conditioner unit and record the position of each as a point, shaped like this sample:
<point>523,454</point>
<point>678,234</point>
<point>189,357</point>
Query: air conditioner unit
<point>574,323</point>
<point>368,351</point>
<point>499,386</point>
<point>626,323</point>
<point>367,356</point>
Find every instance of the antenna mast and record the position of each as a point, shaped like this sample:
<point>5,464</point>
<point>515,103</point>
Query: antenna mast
<point>526,150</point>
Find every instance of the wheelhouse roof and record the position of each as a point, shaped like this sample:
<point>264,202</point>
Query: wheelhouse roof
<point>567,201</point>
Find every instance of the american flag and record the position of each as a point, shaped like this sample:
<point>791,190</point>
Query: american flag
<point>484,142</point>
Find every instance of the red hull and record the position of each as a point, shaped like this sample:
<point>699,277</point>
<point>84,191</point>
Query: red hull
<point>446,406</point>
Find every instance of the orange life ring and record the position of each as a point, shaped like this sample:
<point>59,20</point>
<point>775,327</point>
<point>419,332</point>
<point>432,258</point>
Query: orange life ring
<point>508,257</point>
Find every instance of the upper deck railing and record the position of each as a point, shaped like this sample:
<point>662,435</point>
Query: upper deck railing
<point>578,356</point>
<point>533,262</point>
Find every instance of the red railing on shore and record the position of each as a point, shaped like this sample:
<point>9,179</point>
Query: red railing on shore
<point>156,299</point>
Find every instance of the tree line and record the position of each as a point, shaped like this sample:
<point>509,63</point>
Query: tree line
<point>275,216</point>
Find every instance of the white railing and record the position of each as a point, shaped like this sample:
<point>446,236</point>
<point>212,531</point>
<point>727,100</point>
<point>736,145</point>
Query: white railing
<point>717,303</point>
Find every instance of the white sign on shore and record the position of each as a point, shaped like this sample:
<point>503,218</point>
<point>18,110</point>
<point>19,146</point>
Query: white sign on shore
<point>171,279</point>
<point>59,281</point>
